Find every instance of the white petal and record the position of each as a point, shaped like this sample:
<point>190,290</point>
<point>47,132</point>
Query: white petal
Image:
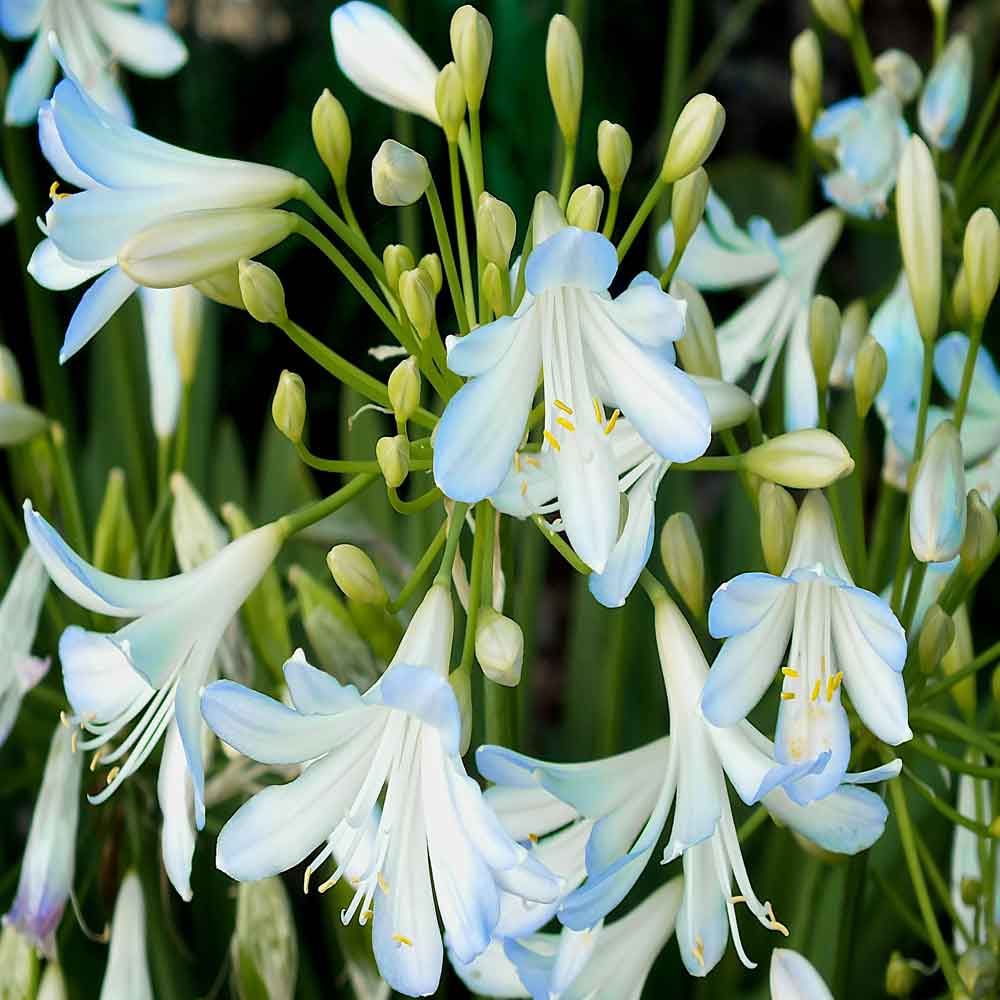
<point>127,974</point>
<point>646,313</point>
<point>31,83</point>
<point>54,271</point>
<point>483,348</point>
<point>814,542</point>
<point>176,797</point>
<point>572,257</point>
<point>425,695</point>
<point>794,978</point>
<point>801,404</point>
<point>315,692</point>
<point>702,923</point>
<point>99,303</point>
<point>161,359</point>
<point>491,974</point>
<point>847,821</point>
<point>145,46</point>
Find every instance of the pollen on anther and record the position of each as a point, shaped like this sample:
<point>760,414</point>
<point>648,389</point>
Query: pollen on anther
<point>833,683</point>
<point>64,719</point>
<point>564,407</point>
<point>551,438</point>
<point>72,741</point>
<point>787,695</point>
<point>96,759</point>
<point>533,462</point>
<point>776,924</point>
<point>737,899</point>
<point>789,672</point>
<point>382,884</point>
<point>113,773</point>
<point>306,875</point>
<point>402,939</point>
<point>699,951</point>
<point>612,421</point>
<point>563,422</point>
<point>55,194</point>
<point>517,461</point>
<point>524,487</point>
<point>598,411</point>
<point>815,690</point>
<point>533,837</point>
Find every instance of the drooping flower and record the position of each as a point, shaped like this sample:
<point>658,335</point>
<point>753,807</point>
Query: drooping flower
<point>722,256</point>
<point>593,351</point>
<point>50,854</point>
<point>794,977</point>
<point>19,612</point>
<point>94,34</point>
<point>127,972</point>
<point>403,734</point>
<point>975,803</point>
<point>841,635</point>
<point>131,182</point>
<point>158,309</point>
<point>944,103</point>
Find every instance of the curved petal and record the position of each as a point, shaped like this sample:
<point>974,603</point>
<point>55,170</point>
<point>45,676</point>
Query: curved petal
<point>491,974</point>
<point>847,821</point>
<point>483,348</point>
<point>427,696</point>
<point>146,46</point>
<point>528,813</point>
<point>161,359</point>
<point>814,730</point>
<point>21,18</point>
<point>794,978</point>
<point>815,542</point>
<point>315,692</point>
<point>878,624</point>
<point>573,258</point>
<point>53,271</point>
<point>646,313</point>
<point>99,303</point>
<point>176,794</point>
<point>740,603</point>
<point>801,404</point>
<point>703,920</point>
<point>31,83</point>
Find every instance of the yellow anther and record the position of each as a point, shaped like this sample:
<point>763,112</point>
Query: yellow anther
<point>551,438</point>
<point>524,487</point>
<point>822,664</point>
<point>699,951</point>
<point>563,422</point>
<point>533,837</point>
<point>366,915</point>
<point>833,683</point>
<point>787,695</point>
<point>96,759</point>
<point>564,407</point>
<point>401,939</point>
<point>517,461</point>
<point>737,899</point>
<point>382,884</point>
<point>533,462</point>
<point>776,925</point>
<point>113,773</point>
<point>64,719</point>
<point>54,192</point>
<point>789,672</point>
<point>612,421</point>
<point>598,411</point>
<point>306,875</point>
<point>72,742</point>
<point>815,690</point>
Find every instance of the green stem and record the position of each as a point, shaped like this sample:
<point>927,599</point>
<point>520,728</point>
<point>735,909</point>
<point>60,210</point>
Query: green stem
<point>950,761</point>
<point>477,180</point>
<point>559,544</point>
<point>712,463</point>
<point>862,55</point>
<point>671,268</point>
<point>902,909</point>
<point>455,523</point>
<point>500,710</point>
<point>183,430</point>
<point>639,220</point>
<point>886,512</point>
<point>973,666</point>
<point>423,502</point>
<point>655,590</point>
<point>308,515</point>
<point>611,217</point>
<point>447,256</point>
<point>913,594</point>
<point>566,181</point>
<point>939,805</point>
<point>347,466</point>
<point>939,885</point>
<point>975,337</point>
<point>460,234</point>
<point>944,725</point>
<point>419,571</point>
<point>482,541</point>
<point>69,499</point>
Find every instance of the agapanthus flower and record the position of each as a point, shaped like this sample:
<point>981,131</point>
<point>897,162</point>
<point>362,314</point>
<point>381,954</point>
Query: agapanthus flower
<point>841,636</point>
<point>158,309</point>
<point>402,735</point>
<point>50,855</point>
<point>944,103</point>
<point>94,34</point>
<point>127,973</point>
<point>594,352</point>
<point>974,803</point>
<point>132,183</point>
<point>793,977</point>
<point>721,256</point>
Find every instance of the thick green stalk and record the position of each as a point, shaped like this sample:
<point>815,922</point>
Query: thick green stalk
<point>566,180</point>
<point>611,216</point>
<point>447,256</point>
<point>671,268</point>
<point>346,466</point>
<point>973,666</point>
<point>941,889</point>
<point>917,575</point>
<point>422,502</point>
<point>308,515</point>
<point>951,762</point>
<point>500,710</point>
<point>455,523</point>
<point>461,237</point>
<point>559,544</point>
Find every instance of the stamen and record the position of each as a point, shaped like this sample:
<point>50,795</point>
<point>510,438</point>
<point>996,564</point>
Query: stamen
<point>533,462</point>
<point>815,690</point>
<point>382,884</point>
<point>787,695</point>
<point>699,951</point>
<point>524,487</point>
<point>776,925</point>
<point>400,939</point>
<point>564,407</point>
<point>64,719</point>
<point>550,437</point>
<point>517,461</point>
<point>55,194</point>
<point>563,422</point>
<point>306,875</point>
<point>113,773</point>
<point>598,411</point>
<point>96,759</point>
<point>72,741</point>
<point>833,683</point>
<point>789,672</point>
<point>612,421</point>
<point>737,899</point>
<point>366,915</point>
<point>533,837</point>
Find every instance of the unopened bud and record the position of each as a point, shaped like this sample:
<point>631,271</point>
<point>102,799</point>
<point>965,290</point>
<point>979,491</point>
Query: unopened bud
<point>937,501</point>
<point>899,73</point>
<point>614,153</point>
<point>264,949</point>
<point>808,459</point>
<point>971,889</point>
<point>944,104</point>
<point>393,455</point>
<point>496,229</point>
<point>400,175</point>
<point>188,317</point>
<point>961,307</point>
<point>396,258</point>
<point>835,14</point>
<point>288,408</point>
<point>585,206</point>
<point>430,264</point>
<point>901,978</point>
<point>805,107</point>
<point>918,211</point>
<point>19,963</point>
<point>472,48</point>
<point>116,544</point>
<point>449,98</point>
<point>777,525</point>
<point>417,296</point>
<point>404,389</point>
<point>356,575</point>
<point>546,218</point>
<point>461,685</point>
<point>936,636</point>
<point>332,136</point>
<point>981,261</point>
<point>11,387</point>
<point>222,287</point>
<point>687,205</point>
<point>853,328</point>
<point>499,647</point>
<point>493,290</point>
<point>263,294</point>
<point>980,532</point>
<point>698,348</point>
<point>680,550</point>
<point>824,338</point>
<point>53,984</point>
<point>564,69</point>
<point>939,7</point>
<point>978,970</point>
<point>807,64</point>
<point>695,134</point>
<point>870,369</point>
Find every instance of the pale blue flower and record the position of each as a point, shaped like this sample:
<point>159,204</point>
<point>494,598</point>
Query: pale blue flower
<point>840,635</point>
<point>127,972</point>
<point>721,256</point>
<point>594,351</point>
<point>866,135</point>
<point>94,34</point>
<point>937,499</point>
<point>944,103</point>
<point>793,977</point>
<point>403,734</point>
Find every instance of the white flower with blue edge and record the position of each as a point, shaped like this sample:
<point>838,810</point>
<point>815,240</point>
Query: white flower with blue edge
<point>793,977</point>
<point>130,182</point>
<point>594,352</point>
<point>944,102</point>
<point>721,256</point>
<point>403,734</point>
<point>841,636</point>
<point>127,973</point>
<point>94,34</point>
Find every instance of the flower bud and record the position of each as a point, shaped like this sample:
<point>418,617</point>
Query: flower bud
<point>807,64</point>
<point>808,459</point>
<point>853,328</point>
<point>472,47</point>
<point>981,261</point>
<point>396,258</point>
<point>804,105</point>
<point>188,308</point>
<point>698,348</point>
<point>198,535</point>
<point>936,636</point>
<point>430,264</point>
<point>449,98</point>
<point>493,290</point>
<point>824,338</point>
<point>496,229</point>
<point>19,423</point>
<point>264,947</point>
<point>980,532</point>
<point>585,206</point>
<point>499,647</point>
<point>971,889</point>
<point>835,14</point>
<point>564,69</point>
<point>614,153</point>
<point>393,454</point>
<point>222,287</point>
<point>944,103</point>
<point>870,368</point>
<point>959,654</point>
<point>978,970</point>
<point>939,7</point>
<point>356,575</point>
<point>901,979</point>
<point>127,971</point>
<point>53,984</point>
<point>461,684</point>
<point>263,294</point>
<point>288,408</point>
<point>687,205</point>
<point>961,307</point>
<point>332,136</point>
<point>680,550</point>
<point>695,134</point>
<point>19,963</point>
<point>404,389</point>
<point>11,387</point>
<point>777,525</point>
<point>918,210</point>
<point>937,502</point>
<point>899,73</point>
<point>417,296</point>
<point>116,545</point>
<point>400,175</point>
<point>546,218</point>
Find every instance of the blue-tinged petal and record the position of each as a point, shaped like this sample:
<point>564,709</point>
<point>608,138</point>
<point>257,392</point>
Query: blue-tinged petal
<point>492,974</point>
<point>55,152</point>
<point>758,328</point>
<point>885,772</point>
<point>188,719</point>
<point>534,961</point>
<point>99,303</point>
<point>175,795</point>
<point>847,821</point>
<point>740,603</point>
<point>875,619</point>
<point>53,271</point>
<point>20,18</point>
<point>425,695</point>
<point>944,103</point>
<point>572,257</point>
<point>144,45</point>
<point>158,306</point>
<point>529,485</point>
<point>646,313</point>
<point>483,348</point>
<point>315,692</point>
<point>801,403</point>
<point>31,83</point>
<point>528,813</point>
<point>814,730</point>
<point>703,920</point>
<point>835,118</point>
<point>950,353</point>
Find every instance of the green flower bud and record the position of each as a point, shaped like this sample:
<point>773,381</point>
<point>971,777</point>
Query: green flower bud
<point>698,348</point>
<point>396,258</point>
<point>961,306</point>
<point>614,153</point>
<point>959,654</point>
<point>189,316</point>
<point>936,636</point>
<point>978,969</point>
<point>116,546</point>
<point>981,261</point>
<point>19,963</point>
<point>870,368</point>
<point>356,575</point>
<point>332,136</point>
<point>11,387</point>
<point>472,47</point>
<point>835,14</point>
<point>496,229</point>
<point>288,408</point>
<point>980,532</point>
<point>264,948</point>
<point>449,98</point>
<point>461,684</point>
<point>899,73</point>
<point>564,69</point>
<point>393,454</point>
<point>806,460</point>
<point>263,294</point>
<point>585,206</point>
<point>939,7</point>
<point>680,550</point>
<point>777,525</point>
<point>430,264</point>
<point>971,889</point>
<point>824,338</point>
<point>698,128</point>
<point>687,205</point>
<point>546,218</point>
<point>918,211</point>
<point>807,65</point>
<point>404,389</point>
<point>417,296</point>
<point>901,979</point>
<point>499,647</point>
<point>400,175</point>
<point>493,290</point>
<point>853,328</point>
<point>53,984</point>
